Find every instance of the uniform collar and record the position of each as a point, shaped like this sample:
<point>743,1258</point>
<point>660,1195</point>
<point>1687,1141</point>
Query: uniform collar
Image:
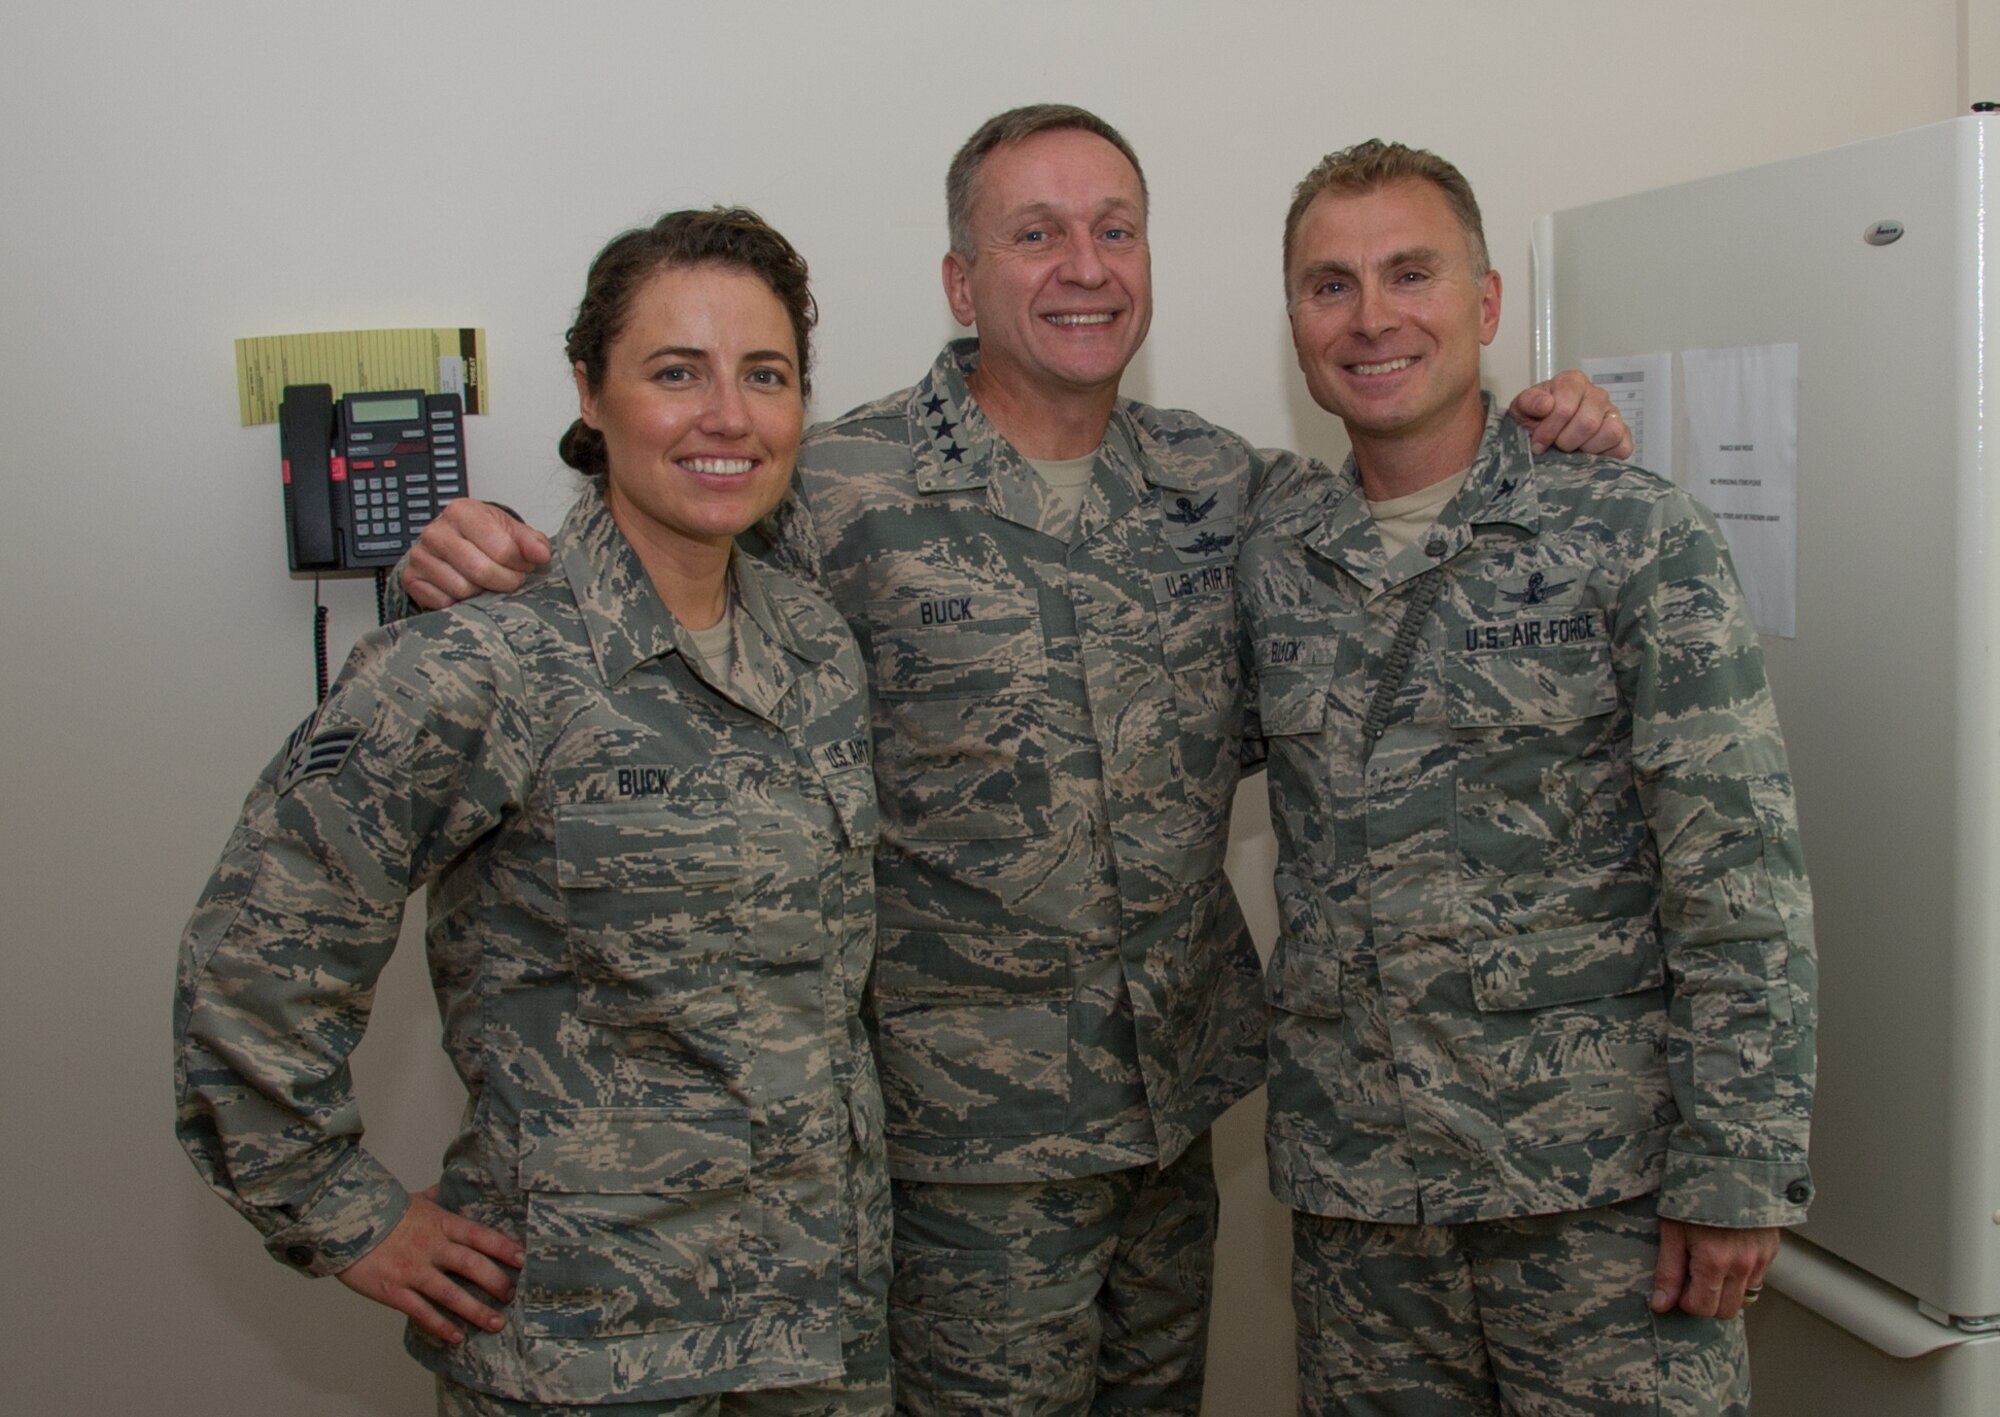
<point>628,625</point>
<point>957,449</point>
<point>1499,489</point>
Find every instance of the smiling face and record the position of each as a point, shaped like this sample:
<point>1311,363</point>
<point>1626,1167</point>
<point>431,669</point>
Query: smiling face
<point>1389,311</point>
<point>1060,280</point>
<point>700,410</point>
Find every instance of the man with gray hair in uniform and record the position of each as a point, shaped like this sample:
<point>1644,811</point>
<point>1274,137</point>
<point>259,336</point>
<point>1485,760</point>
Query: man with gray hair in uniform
<point>1041,576</point>
<point>1542,1006</point>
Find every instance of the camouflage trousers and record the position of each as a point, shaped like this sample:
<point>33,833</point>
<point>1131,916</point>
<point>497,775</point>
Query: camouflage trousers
<point>1547,1315</point>
<point>1055,1298</point>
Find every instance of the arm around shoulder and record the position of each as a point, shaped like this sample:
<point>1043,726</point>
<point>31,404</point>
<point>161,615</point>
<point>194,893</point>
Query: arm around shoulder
<point>470,547</point>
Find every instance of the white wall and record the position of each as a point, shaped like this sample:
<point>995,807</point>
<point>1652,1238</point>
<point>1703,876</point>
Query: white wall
<point>176,176</point>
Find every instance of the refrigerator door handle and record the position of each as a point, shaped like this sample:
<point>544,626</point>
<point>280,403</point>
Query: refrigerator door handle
<point>1542,295</point>
<point>1878,1314</point>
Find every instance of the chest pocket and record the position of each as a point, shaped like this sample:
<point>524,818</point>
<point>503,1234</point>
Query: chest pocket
<point>1537,684</point>
<point>1538,786</point>
<point>1292,702</point>
<point>651,890</point>
<point>961,678</point>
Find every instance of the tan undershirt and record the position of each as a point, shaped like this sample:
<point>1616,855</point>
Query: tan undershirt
<point>716,647</point>
<point>1401,520</point>
<point>1066,479</point>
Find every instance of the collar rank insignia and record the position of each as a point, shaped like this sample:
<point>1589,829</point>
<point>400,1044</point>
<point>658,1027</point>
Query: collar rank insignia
<point>1504,488</point>
<point>1537,591</point>
<point>1186,511</point>
<point>316,752</point>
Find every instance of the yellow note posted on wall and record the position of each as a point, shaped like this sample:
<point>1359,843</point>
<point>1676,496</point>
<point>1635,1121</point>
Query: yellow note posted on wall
<point>438,361</point>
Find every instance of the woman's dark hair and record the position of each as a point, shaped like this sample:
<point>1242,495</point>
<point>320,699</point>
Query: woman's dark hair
<point>732,237</point>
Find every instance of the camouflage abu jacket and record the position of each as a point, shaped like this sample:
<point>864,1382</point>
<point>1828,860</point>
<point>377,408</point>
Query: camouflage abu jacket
<point>1550,946</point>
<point>1065,984</point>
<point>651,922</point>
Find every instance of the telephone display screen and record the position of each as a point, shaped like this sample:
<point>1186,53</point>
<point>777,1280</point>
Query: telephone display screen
<point>383,410</point>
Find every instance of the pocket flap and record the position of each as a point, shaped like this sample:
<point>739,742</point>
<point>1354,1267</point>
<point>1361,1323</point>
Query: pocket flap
<point>1560,684</point>
<point>958,646</point>
<point>1594,960</point>
<point>633,1151</point>
<point>853,794</point>
<point>1291,701</point>
<point>1304,974</point>
<point>1302,979</point>
<point>646,844</point>
<point>940,967</point>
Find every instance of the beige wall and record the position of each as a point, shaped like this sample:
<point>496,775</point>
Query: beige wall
<point>177,176</point>
<point>1979,52</point>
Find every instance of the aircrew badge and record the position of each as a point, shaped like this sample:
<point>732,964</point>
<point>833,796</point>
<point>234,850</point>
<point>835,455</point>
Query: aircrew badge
<point>1537,590</point>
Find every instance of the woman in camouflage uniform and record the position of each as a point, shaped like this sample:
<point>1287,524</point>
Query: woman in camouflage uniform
<point>638,788</point>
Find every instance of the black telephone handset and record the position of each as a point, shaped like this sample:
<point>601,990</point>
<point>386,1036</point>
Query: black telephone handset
<point>365,474</point>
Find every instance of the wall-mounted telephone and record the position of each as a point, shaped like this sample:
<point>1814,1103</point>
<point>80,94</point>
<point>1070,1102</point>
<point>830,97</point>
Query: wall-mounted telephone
<point>366,473</point>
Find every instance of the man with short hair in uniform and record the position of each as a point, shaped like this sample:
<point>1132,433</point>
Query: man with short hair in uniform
<point>1542,1005</point>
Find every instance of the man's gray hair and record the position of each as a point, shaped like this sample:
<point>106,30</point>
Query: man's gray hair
<point>1005,129</point>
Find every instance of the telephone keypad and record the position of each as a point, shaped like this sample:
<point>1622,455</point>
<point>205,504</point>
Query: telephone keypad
<point>399,476</point>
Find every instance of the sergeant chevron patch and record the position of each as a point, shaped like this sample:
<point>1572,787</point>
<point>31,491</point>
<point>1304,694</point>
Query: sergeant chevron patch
<point>316,751</point>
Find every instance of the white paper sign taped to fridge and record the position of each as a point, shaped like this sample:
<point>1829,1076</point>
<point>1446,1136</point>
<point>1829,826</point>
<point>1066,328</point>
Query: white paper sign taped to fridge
<point>1743,463</point>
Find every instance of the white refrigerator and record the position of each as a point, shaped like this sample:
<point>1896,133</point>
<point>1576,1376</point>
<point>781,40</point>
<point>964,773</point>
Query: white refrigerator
<point>1876,552</point>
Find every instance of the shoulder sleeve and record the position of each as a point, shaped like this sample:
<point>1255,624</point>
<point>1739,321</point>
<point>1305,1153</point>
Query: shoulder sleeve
<point>419,751</point>
<point>1735,910</point>
<point>1280,482</point>
<point>1275,476</point>
<point>788,538</point>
